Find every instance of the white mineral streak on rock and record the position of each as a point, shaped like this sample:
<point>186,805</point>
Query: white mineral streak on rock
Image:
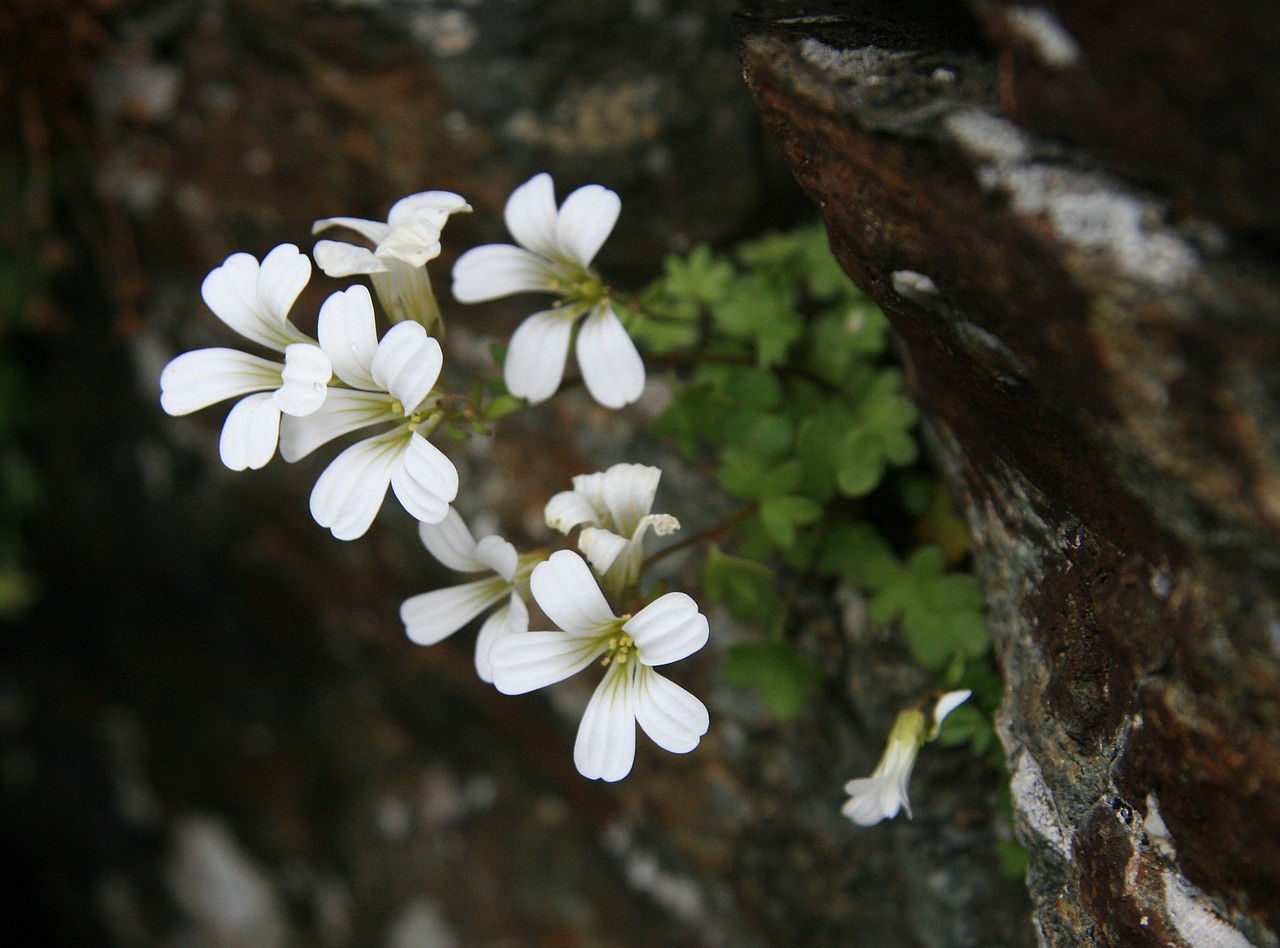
<point>909,283</point>
<point>228,900</point>
<point>1196,918</point>
<point>1158,835</point>
<point>1041,31</point>
<point>679,894</point>
<point>848,64</point>
<point>986,136</point>
<point>1034,800</point>
<point>420,924</point>
<point>1093,213</point>
<point>1084,208</point>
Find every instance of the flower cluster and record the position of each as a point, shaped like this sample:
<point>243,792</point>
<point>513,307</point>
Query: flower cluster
<point>568,591</point>
<point>348,379</point>
<point>388,387</point>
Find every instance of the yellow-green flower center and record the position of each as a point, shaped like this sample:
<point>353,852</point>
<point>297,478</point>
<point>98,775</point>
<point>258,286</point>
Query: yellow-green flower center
<point>621,649</point>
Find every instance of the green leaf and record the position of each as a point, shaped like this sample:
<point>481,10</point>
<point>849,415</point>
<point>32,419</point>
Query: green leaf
<point>861,463</point>
<point>820,447</point>
<point>826,278</point>
<point>745,473</point>
<point>695,416</point>
<point>1014,859</point>
<point>745,587</point>
<point>663,335</point>
<point>860,556</point>
<point>752,386</point>
<point>778,254</point>
<point>762,311</point>
<point>940,614</point>
<point>701,276</point>
<point>769,434</point>
<point>781,516</point>
<point>776,670</point>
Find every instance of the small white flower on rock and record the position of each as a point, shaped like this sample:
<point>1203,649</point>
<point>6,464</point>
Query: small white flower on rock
<point>253,299</point>
<point>632,692</point>
<point>390,381</point>
<point>556,247</point>
<point>402,246</point>
<point>880,796</point>
<point>432,617</point>
<point>612,507</point>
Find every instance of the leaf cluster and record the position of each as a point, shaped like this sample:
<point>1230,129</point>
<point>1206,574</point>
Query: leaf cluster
<point>786,382</point>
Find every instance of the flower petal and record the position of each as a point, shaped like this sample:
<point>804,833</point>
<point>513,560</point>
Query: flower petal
<point>611,367</point>
<point>338,259</point>
<point>348,335</point>
<point>415,242</point>
<point>241,295</point>
<point>429,204</point>
<point>872,800</point>
<point>499,556</point>
<point>373,231</point>
<point>586,219</point>
<point>569,509</point>
<point>250,433</point>
<point>511,619</point>
<point>305,379</point>
<point>600,547</point>
<point>432,617</point>
<point>606,744</point>
<point>283,275</point>
<point>567,592</point>
<point>671,716</point>
<point>668,629</point>
<point>450,542</point>
<point>348,494</point>
<point>425,481</point>
<point>204,377</point>
<point>948,703</point>
<point>537,353</point>
<point>405,293</point>
<point>530,215</point>
<point>531,660</point>
<point>493,271</point>
<point>343,411</point>
<point>591,487</point>
<point>407,364</point>
<point>627,491</point>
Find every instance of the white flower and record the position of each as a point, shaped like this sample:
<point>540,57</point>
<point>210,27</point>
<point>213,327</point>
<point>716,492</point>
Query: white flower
<point>555,254</point>
<point>391,381</point>
<point>253,299</point>
<point>433,616</point>
<point>613,508</point>
<point>880,796</point>
<point>402,246</point>
<point>668,629</point>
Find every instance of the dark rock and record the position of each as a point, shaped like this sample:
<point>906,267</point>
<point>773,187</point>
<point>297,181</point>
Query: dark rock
<point>1093,332</point>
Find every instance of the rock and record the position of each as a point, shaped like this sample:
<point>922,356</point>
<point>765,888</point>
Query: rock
<point>1092,330</point>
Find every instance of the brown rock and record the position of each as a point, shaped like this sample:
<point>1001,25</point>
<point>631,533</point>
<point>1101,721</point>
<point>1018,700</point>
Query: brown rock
<point>1100,376</point>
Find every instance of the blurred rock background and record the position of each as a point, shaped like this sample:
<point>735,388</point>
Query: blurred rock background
<point>212,729</point>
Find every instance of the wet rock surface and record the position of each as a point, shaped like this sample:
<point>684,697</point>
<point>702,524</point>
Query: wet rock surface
<point>1091,317</point>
